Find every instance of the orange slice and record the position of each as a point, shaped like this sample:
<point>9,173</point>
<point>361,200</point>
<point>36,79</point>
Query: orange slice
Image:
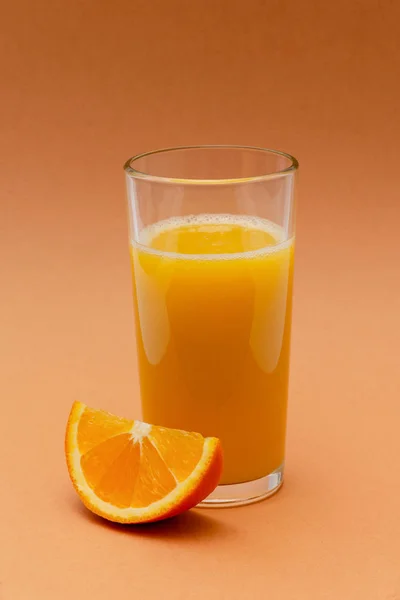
<point>131,472</point>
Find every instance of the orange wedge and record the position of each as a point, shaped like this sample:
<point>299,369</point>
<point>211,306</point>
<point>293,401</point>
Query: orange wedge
<point>131,472</point>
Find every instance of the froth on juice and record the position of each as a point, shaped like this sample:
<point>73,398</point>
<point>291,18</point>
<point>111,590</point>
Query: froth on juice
<point>213,299</point>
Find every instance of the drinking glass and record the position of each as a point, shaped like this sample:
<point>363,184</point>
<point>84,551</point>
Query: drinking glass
<point>212,248</point>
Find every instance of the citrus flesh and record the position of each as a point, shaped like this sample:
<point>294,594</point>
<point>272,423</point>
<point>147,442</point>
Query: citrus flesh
<point>132,472</point>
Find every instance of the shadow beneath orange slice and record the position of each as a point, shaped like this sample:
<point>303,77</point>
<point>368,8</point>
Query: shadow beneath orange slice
<point>191,525</point>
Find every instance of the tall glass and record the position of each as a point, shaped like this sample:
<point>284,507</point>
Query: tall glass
<point>212,245</point>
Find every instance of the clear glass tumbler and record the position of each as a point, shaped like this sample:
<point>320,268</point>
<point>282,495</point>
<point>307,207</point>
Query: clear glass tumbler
<point>212,247</point>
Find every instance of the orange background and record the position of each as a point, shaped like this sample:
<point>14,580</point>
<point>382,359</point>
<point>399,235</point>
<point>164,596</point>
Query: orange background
<point>87,84</point>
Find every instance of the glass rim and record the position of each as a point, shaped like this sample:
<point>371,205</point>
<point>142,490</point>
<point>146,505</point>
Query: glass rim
<point>137,174</point>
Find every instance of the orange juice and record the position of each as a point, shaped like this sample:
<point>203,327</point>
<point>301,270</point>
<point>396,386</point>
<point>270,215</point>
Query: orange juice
<point>213,297</point>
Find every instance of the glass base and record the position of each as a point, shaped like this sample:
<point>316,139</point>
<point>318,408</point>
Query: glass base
<point>249,492</point>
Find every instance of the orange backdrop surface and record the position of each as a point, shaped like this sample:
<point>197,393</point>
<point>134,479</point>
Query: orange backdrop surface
<point>86,84</point>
